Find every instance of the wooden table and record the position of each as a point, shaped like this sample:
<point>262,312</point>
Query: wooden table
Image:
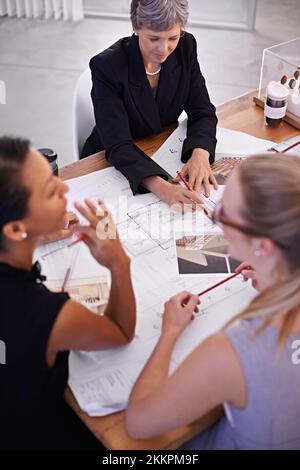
<point>238,114</point>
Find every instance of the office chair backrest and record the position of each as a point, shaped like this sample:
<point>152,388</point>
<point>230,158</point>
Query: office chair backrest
<point>83,112</point>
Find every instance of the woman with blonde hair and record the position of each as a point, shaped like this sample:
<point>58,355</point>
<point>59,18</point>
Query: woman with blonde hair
<point>252,365</point>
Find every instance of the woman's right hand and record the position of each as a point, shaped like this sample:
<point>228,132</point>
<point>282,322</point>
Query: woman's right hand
<point>71,221</point>
<point>180,198</point>
<point>179,311</point>
<point>101,235</point>
<point>248,273</point>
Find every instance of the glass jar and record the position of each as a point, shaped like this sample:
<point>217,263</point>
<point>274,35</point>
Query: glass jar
<point>276,103</point>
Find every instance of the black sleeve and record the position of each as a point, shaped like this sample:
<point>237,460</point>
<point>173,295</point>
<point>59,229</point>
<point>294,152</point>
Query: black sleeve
<point>202,119</point>
<point>113,128</point>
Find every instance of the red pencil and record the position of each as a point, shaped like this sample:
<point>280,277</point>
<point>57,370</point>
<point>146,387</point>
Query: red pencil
<point>68,273</point>
<point>79,239</point>
<point>286,149</point>
<point>219,283</point>
<point>291,146</point>
<point>186,184</point>
<point>64,284</point>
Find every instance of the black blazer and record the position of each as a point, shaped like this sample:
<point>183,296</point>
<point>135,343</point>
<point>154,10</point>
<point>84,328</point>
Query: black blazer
<point>125,107</point>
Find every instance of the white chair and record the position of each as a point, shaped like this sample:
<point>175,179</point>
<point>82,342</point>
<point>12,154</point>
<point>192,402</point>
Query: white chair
<point>83,120</point>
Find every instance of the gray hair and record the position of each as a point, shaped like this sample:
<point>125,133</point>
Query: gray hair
<point>158,15</point>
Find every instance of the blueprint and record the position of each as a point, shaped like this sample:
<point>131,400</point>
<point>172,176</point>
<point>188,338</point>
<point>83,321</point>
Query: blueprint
<point>101,380</point>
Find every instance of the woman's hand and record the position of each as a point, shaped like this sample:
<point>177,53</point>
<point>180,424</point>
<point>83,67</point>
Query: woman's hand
<point>248,273</point>
<point>175,195</point>
<point>71,221</point>
<point>101,235</point>
<point>181,198</point>
<point>198,171</point>
<point>179,311</point>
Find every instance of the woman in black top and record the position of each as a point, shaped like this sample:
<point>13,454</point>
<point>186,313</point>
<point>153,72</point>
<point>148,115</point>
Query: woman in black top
<point>143,83</point>
<point>39,327</point>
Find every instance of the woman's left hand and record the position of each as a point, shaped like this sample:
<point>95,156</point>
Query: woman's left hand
<point>71,221</point>
<point>198,171</point>
<point>248,273</point>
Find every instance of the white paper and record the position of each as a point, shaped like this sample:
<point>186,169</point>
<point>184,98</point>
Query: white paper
<point>229,143</point>
<point>168,156</point>
<point>282,146</point>
<point>239,143</point>
<point>101,380</point>
<point>78,257</point>
<point>103,390</point>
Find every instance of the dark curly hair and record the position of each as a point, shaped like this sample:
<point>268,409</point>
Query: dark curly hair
<point>14,195</point>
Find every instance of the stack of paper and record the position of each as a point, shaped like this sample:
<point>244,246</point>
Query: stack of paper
<point>102,380</point>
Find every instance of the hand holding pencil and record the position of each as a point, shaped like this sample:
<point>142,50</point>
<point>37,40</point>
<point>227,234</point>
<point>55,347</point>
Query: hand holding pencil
<point>179,310</point>
<point>71,221</point>
<point>248,273</point>
<point>186,184</point>
<point>199,172</point>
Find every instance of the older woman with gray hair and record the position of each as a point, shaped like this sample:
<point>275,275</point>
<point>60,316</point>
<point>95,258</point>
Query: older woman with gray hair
<point>143,83</point>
